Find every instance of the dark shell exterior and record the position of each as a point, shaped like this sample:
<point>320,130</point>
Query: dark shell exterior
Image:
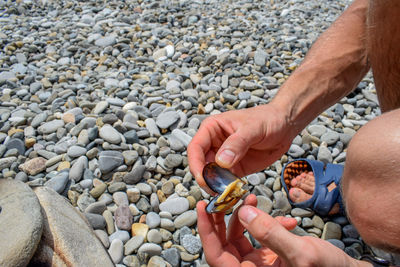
<point>217,178</point>
<point>229,187</point>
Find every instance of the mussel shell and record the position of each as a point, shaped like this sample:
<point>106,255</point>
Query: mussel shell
<point>217,178</point>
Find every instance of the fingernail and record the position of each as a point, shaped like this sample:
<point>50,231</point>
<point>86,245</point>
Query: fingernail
<point>247,214</point>
<point>226,156</point>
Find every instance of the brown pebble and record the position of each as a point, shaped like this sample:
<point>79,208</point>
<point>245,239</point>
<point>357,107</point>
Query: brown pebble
<point>63,165</point>
<point>142,219</point>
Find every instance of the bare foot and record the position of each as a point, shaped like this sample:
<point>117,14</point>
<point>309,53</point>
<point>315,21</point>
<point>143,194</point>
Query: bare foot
<point>302,189</point>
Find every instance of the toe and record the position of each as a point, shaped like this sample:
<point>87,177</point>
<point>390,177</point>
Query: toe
<point>298,195</point>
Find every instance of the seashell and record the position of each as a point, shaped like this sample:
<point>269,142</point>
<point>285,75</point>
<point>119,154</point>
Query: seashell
<point>229,187</point>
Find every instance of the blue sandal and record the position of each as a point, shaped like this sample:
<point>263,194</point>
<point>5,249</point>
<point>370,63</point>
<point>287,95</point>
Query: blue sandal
<point>323,199</point>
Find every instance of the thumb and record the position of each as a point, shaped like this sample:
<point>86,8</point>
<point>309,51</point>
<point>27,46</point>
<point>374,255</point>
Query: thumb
<point>232,150</point>
<point>269,232</point>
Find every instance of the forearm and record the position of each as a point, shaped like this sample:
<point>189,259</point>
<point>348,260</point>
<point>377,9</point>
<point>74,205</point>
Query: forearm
<point>333,67</point>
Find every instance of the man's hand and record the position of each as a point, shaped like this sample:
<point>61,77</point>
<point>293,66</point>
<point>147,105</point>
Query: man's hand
<point>280,247</point>
<point>245,141</point>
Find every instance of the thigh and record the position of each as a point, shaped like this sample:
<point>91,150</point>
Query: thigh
<point>384,50</point>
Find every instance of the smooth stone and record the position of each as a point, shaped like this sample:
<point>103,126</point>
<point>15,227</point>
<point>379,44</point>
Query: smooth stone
<point>151,126</point>
<point>166,119</point>
<point>173,160</point>
<point>133,194</point>
<point>96,208</point>
<point>120,198</point>
<point>192,244</point>
<point>109,160</point>
<point>316,130</point>
<point>181,136</point>
<point>156,261</point>
<point>116,186</point>
<point>131,137</point>
<point>324,154</point>
<point>140,229</point>
<point>123,218</point>
<point>175,206</point>
<point>299,231</point>
<point>256,178</point>
<point>350,231</point>
<point>98,190</point>
<point>108,133</point>
<point>109,222</point>
<point>306,222</point>
<point>168,188</point>
<point>105,41</point>
<point>76,151</point>
<point>51,126</point>
<point>187,218</point>
<point>130,156</point>
<point>172,256</point>
<point>135,175</point>
<point>318,222</point>
<point>153,220</point>
<point>133,244</point>
<point>100,107</point>
<point>21,176</point>
<point>77,242</point>
<point>33,166</point>
<point>58,182</point>
<point>150,249</point>
<point>265,204</point>
<point>298,212</point>
<point>330,137</point>
<point>77,169</point>
<point>121,235</point>
<point>21,222</point>
<point>131,261</point>
<point>97,221</point>
<point>331,231</point>
<point>116,250</point>
<point>281,202</point>
<point>167,224</point>
<point>102,235</point>
<point>84,200</point>
<point>6,163</point>
<point>154,236</point>
<point>295,151</point>
<point>263,190</point>
<point>17,144</point>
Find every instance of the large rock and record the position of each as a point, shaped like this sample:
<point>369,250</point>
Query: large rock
<point>68,239</point>
<point>21,223</point>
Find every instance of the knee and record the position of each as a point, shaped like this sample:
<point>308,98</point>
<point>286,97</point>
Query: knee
<point>370,182</point>
<point>375,147</point>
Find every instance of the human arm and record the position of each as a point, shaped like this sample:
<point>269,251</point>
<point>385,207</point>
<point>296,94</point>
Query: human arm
<point>333,67</point>
<point>247,141</point>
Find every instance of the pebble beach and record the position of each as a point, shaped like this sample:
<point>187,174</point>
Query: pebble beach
<point>99,101</point>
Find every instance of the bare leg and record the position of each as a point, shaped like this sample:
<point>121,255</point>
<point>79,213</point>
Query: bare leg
<point>371,181</point>
<point>383,50</point>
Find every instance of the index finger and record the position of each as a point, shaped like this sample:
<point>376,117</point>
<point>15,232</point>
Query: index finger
<point>198,149</point>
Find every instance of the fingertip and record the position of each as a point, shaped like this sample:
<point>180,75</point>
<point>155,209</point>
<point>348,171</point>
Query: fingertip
<point>201,205</point>
<point>288,223</point>
<point>251,200</point>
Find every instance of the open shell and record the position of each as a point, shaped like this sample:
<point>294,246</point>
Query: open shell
<point>229,187</point>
